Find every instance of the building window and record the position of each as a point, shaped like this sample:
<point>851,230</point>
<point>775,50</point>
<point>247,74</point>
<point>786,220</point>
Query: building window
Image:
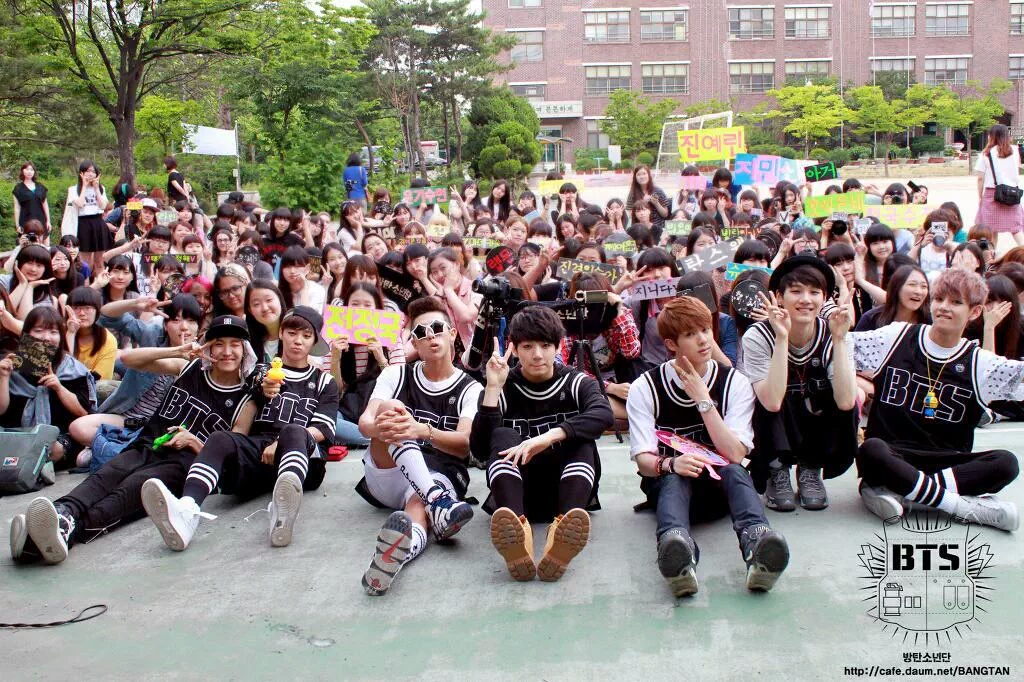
<point>595,138</point>
<point>946,20</point>
<point>807,70</point>
<point>807,22</point>
<point>606,27</point>
<point>748,77</point>
<point>892,21</point>
<point>530,91</point>
<point>751,23</point>
<point>1016,68</point>
<point>602,80</point>
<point>665,79</point>
<point>897,64</point>
<point>530,47</point>
<point>516,4</point>
<point>663,25</point>
<point>945,70</point>
<point>1017,18</point>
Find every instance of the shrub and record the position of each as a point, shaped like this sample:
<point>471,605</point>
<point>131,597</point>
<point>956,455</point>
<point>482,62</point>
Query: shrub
<point>645,159</point>
<point>839,156</point>
<point>584,163</point>
<point>860,152</point>
<point>768,149</point>
<point>624,165</point>
<point>900,152</point>
<point>927,144</point>
<point>788,153</point>
<point>819,154</point>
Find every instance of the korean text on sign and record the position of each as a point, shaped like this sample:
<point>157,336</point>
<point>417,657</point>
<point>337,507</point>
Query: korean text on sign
<point>901,216</point>
<point>359,325</point>
<point>415,196</point>
<point>567,268</point>
<point>711,144</point>
<point>827,204</point>
<point>823,171</point>
<point>551,187</point>
<point>761,169</point>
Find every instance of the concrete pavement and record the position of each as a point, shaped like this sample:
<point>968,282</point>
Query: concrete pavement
<point>231,607</point>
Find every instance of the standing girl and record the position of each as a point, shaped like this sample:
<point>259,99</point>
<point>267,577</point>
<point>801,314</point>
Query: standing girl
<point>30,199</point>
<point>999,164</point>
<point>643,187</point>
<point>83,215</point>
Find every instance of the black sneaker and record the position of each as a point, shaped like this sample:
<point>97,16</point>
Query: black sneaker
<point>677,561</point>
<point>766,554</point>
<point>779,495</point>
<point>811,488</point>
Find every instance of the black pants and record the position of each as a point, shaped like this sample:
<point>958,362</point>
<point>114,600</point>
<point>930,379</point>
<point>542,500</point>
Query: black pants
<point>897,468</point>
<point>112,496</point>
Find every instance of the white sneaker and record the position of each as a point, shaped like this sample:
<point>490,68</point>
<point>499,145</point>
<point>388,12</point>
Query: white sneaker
<point>84,458</point>
<point>987,510</point>
<point>19,535</point>
<point>394,542</point>
<point>49,530</point>
<point>176,519</point>
<point>882,502</point>
<point>284,508</point>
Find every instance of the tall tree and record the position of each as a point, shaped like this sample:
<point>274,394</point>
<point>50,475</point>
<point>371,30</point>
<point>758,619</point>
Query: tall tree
<point>871,112</point>
<point>113,50</point>
<point>634,122</point>
<point>974,111</point>
<point>502,141</point>
<point>811,112</point>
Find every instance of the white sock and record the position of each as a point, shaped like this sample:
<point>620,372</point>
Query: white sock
<point>419,541</point>
<point>409,459</point>
<point>933,492</point>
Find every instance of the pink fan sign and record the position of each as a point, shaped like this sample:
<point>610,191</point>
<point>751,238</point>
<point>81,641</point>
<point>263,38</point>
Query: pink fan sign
<point>685,446</point>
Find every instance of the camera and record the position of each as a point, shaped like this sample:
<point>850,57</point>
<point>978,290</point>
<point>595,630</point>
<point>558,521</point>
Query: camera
<point>497,290</point>
<point>32,237</point>
<point>896,198</point>
<point>940,232</point>
<point>839,224</point>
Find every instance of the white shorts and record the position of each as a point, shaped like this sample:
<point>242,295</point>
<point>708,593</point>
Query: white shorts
<point>390,487</point>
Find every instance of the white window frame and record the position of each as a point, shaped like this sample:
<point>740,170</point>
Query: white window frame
<point>938,26</point>
<point>666,11</point>
<point>749,89</point>
<point>788,18</point>
<point>908,10</point>
<point>527,46</point>
<point>751,33</point>
<point>663,90</point>
<point>596,37</point>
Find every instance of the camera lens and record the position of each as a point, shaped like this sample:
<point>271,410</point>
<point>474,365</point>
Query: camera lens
<point>839,227</point>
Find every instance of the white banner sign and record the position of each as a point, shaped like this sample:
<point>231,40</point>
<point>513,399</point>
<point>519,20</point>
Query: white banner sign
<point>209,141</point>
<point>571,109</point>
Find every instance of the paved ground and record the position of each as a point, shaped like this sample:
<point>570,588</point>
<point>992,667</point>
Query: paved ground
<point>233,608</point>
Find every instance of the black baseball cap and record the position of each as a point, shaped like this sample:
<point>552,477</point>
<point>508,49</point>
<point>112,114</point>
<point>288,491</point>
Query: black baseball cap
<point>793,262</point>
<point>227,327</point>
<point>315,320</point>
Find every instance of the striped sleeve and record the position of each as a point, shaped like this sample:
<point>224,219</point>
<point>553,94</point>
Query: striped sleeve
<point>326,414</point>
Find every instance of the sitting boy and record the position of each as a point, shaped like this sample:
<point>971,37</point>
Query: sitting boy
<point>696,398</point>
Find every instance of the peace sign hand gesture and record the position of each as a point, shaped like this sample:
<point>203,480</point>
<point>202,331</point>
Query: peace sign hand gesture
<point>693,383</point>
<point>778,317</point>
<point>497,366</point>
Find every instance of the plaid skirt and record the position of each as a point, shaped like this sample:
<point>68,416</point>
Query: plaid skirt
<point>999,217</point>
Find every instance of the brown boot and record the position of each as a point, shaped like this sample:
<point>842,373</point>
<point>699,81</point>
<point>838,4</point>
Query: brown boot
<point>567,536</point>
<point>512,536</point>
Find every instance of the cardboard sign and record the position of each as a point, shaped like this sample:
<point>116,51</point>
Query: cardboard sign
<point>762,169</point>
<point>709,258</point>
<point>705,293</point>
<point>733,270</point>
<point>901,216</point>
<point>693,182</point>
<point>136,205</point>
<point>745,299</point>
<point>247,255</point>
<point>619,244</point>
<point>180,257</point>
<point>653,289</point>
<point>33,357</point>
<point>499,259</point>
<point>438,231</point>
<point>397,286</point>
<point>359,325</point>
<point>741,233</point>
<point>827,204</point>
<point>480,245</point>
<point>678,228</point>
<point>405,241</point>
<point>567,268</point>
<point>167,217</point>
<point>711,144</point>
<point>823,171</point>
<point>414,196</point>
<point>386,232</point>
<point>551,187</point>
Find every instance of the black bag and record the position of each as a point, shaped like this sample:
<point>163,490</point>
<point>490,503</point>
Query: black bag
<point>1007,195</point>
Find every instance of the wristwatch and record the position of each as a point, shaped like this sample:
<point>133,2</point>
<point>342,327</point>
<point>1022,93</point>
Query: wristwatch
<point>705,406</point>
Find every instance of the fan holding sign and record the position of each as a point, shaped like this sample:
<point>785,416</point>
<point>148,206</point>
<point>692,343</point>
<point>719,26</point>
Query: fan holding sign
<point>689,416</point>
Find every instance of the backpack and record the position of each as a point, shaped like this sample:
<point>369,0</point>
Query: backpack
<point>23,454</point>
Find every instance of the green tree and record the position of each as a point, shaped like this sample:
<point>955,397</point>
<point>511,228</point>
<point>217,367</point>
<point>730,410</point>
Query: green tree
<point>634,122</point>
<point>502,139</point>
<point>161,118</point>
<point>894,84</point>
<point>973,112</point>
<point>811,112</point>
<point>711,106</point>
<point>871,112</point>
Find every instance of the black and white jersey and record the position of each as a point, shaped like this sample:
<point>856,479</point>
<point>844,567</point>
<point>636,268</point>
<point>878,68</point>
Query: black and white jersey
<point>308,397</point>
<point>197,403</point>
<point>570,400</point>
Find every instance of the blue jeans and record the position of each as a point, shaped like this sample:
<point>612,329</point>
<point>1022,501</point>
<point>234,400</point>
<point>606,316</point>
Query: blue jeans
<point>710,499</point>
<point>348,433</point>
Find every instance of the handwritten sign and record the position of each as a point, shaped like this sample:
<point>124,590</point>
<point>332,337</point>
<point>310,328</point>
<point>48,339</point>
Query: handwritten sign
<point>693,182</point>
<point>653,289</point>
<point>136,205</point>
<point>480,245</point>
<point>619,244</point>
<point>437,230</point>
<point>567,268</point>
<point>709,258</point>
<point>359,325</point>
<point>386,232</point>
<point>745,298</point>
<point>733,270</point>
<point>901,216</point>
<point>397,286</point>
<point>247,255</point>
<point>823,171</point>
<point>405,241</point>
<point>414,196</point>
<point>741,233</point>
<point>711,144</point>
<point>499,259</point>
<point>705,293</point>
<point>762,169</point>
<point>678,228</point>
<point>827,204</point>
<point>180,257</point>
<point>550,187</point>
<point>167,217</point>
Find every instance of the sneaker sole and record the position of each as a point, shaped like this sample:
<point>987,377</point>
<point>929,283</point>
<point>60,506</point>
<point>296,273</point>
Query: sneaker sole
<point>684,584</point>
<point>509,537</point>
<point>44,529</point>
<point>779,506</point>
<point>394,542</point>
<point>287,500</point>
<point>675,562</point>
<point>882,506</point>
<point>767,565</point>
<point>155,504</point>
<point>813,505</point>
<point>571,536</point>
<point>19,536</point>
<point>458,519</point>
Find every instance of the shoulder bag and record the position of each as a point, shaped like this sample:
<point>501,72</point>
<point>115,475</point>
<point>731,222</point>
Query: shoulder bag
<point>1007,195</point>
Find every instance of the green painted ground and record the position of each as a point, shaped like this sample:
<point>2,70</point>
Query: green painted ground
<point>233,608</point>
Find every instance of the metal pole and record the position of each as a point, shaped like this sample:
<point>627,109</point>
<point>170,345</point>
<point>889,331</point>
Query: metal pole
<point>238,163</point>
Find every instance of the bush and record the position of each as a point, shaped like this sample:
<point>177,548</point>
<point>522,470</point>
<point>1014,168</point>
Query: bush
<point>900,153</point>
<point>591,154</point>
<point>788,153</point>
<point>584,163</point>
<point>819,154</point>
<point>645,159</point>
<point>840,157</point>
<point>768,149</point>
<point>860,152</point>
<point>927,144</point>
<point>624,165</point>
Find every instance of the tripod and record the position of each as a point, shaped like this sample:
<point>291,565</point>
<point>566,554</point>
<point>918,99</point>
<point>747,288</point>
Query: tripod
<point>582,351</point>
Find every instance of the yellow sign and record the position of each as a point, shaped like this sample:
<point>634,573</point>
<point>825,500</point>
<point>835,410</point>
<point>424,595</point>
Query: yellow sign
<point>827,204</point>
<point>901,216</point>
<point>359,325</point>
<point>550,187</point>
<point>711,144</point>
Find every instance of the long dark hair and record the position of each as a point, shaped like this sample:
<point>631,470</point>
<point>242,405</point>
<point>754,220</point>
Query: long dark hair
<point>35,253</point>
<point>334,291</point>
<point>879,232</point>
<point>71,280</point>
<point>347,362</point>
<point>258,333</point>
<point>84,166</point>
<point>121,263</point>
<point>504,204</point>
<point>635,190</point>
<point>892,296</point>
<point>999,137</point>
<point>87,296</point>
<point>293,255</point>
<point>1002,289</point>
<point>698,278</point>
<point>230,270</point>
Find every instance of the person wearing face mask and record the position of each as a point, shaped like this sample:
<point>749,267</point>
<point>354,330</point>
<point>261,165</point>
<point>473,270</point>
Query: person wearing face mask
<point>206,394</point>
<point>276,444</point>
